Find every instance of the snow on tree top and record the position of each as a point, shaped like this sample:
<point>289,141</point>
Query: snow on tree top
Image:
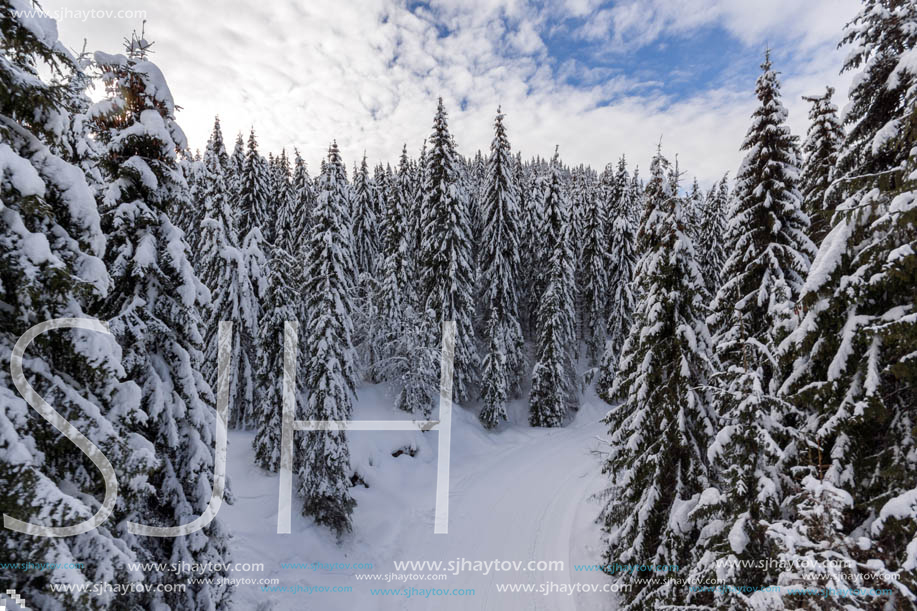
<point>40,25</point>
<point>154,82</point>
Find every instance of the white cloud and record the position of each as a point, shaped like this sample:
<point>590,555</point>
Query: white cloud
<point>368,73</point>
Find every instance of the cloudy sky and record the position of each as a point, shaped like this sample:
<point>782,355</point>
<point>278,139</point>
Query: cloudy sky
<point>597,78</point>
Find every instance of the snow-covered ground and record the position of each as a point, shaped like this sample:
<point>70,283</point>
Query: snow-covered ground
<point>518,494</point>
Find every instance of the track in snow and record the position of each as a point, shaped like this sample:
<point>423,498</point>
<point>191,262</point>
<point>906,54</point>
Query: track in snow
<point>518,495</point>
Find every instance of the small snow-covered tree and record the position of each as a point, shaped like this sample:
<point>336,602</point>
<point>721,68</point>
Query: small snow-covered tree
<point>660,430</point>
<point>444,263</point>
<point>412,361</point>
<point>694,208</point>
<point>814,552</point>
<point>154,310</point>
<point>303,195</point>
<point>189,215</point>
<point>235,168</point>
<point>711,241</point>
<point>253,191</point>
<point>822,145</point>
<point>554,376</point>
<point>364,221</point>
<point>499,275</point>
<point>280,191</point>
<point>329,373</point>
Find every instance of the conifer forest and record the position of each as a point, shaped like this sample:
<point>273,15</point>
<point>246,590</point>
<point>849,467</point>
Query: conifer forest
<point>235,376</point>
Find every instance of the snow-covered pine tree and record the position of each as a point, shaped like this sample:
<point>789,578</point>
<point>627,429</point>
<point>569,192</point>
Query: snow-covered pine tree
<point>200,178</point>
<point>822,145</point>
<point>444,263</point>
<point>815,552</point>
<point>711,241</point>
<point>637,200</point>
<point>364,222</point>
<point>188,216</point>
<point>254,192</point>
<point>541,180</point>
<point>256,268</point>
<point>770,252</point>
<point>303,194</point>
<point>286,228</point>
<point>418,182</point>
<point>529,210</point>
<point>382,174</point>
<point>594,271</point>
<point>235,168</point>
<point>281,191</point>
<point>762,277</point>
<point>607,189</point>
<point>154,308</point>
<point>366,247</point>
<point>853,353</point>
<point>51,244</point>
<point>304,201</point>
<point>282,303</point>
<point>397,238</point>
<point>256,220</point>
<point>621,194</point>
<point>622,258</point>
<point>579,193</point>
<point>499,260</point>
<point>223,269</point>
<point>694,208</point>
<point>477,191</point>
<point>329,373</point>
<point>660,430</point>
<point>554,376</point>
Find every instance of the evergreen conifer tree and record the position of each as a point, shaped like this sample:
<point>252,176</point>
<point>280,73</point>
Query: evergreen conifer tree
<point>822,145</point>
<point>154,307</point>
<point>499,265</point>
<point>329,372</point>
<point>281,304</point>
<point>445,263</point>
<point>711,241</point>
<point>253,191</point>
<point>622,260</point>
<point>554,376</point>
<point>223,269</point>
<point>51,249</point>
<point>762,278</point>
<point>594,274</point>
<point>660,430</point>
<point>852,355</point>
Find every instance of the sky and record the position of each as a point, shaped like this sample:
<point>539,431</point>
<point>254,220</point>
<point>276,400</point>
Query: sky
<point>599,79</point>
